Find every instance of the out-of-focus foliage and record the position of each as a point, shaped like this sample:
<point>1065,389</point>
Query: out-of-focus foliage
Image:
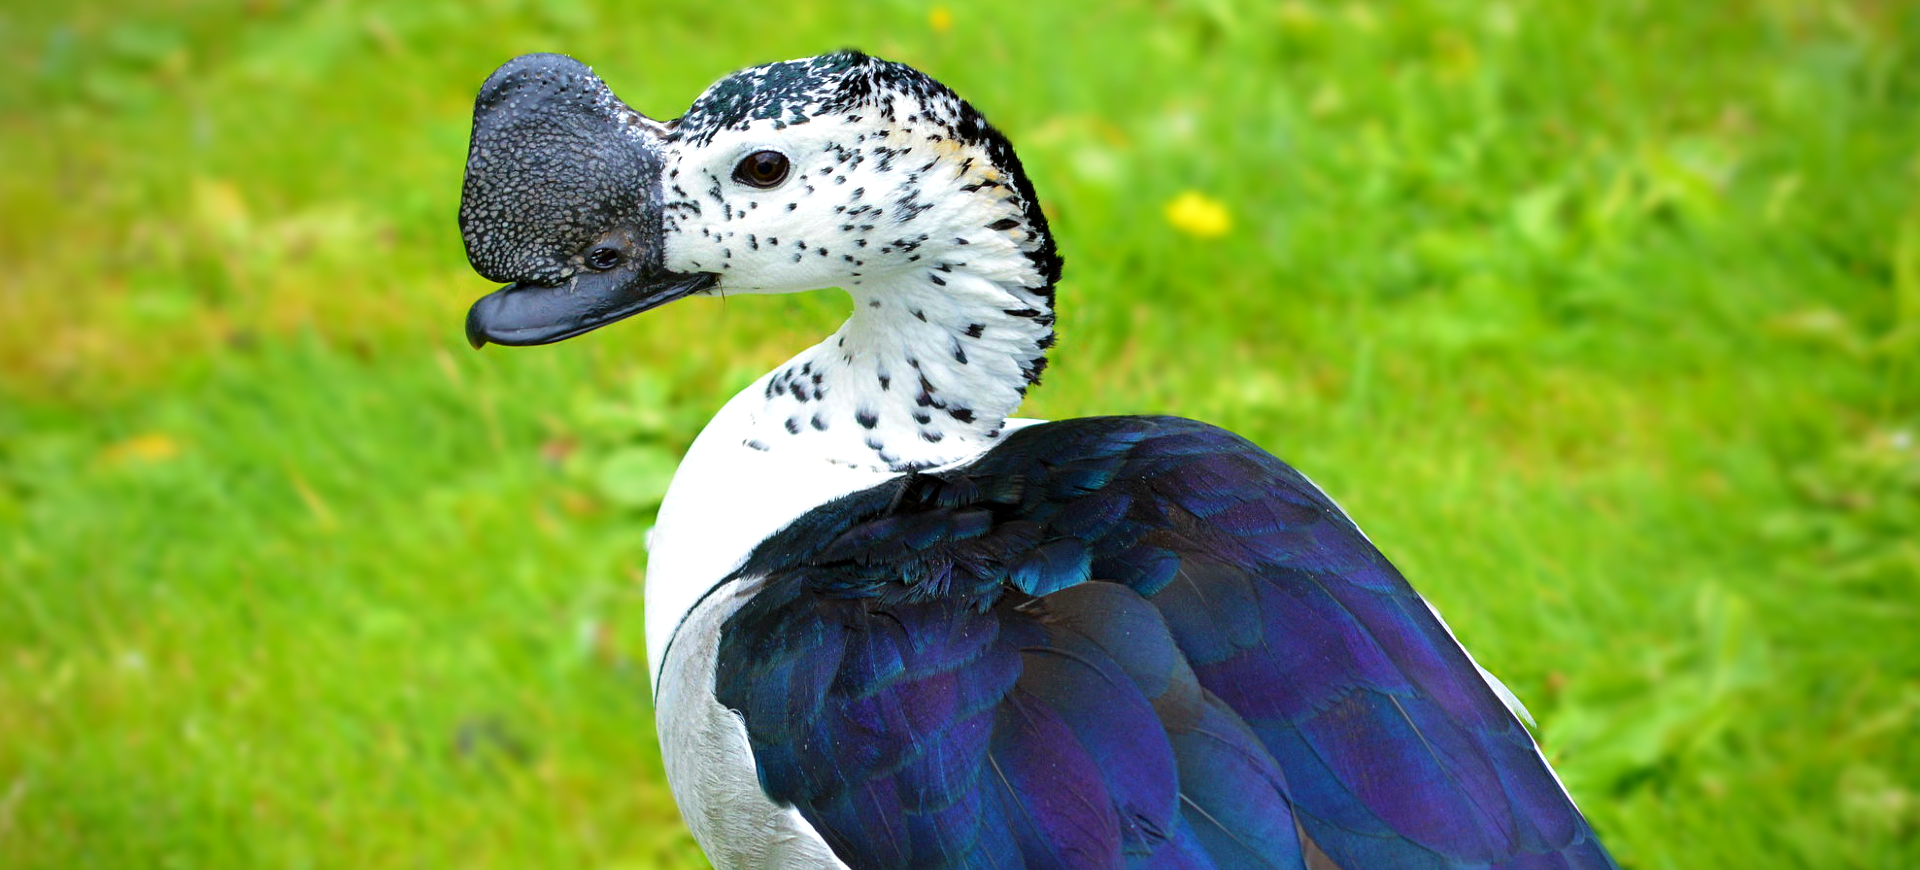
<point>1603,318</point>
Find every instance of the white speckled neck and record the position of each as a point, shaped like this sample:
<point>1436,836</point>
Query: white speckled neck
<point>925,371</point>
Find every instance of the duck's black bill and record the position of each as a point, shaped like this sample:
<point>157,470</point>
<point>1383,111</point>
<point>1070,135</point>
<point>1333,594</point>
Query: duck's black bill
<point>523,314</point>
<point>562,204</point>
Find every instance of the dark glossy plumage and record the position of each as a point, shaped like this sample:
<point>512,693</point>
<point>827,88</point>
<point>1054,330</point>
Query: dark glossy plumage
<point>1137,642</point>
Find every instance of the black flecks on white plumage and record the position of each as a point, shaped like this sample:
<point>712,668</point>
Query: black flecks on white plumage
<point>905,109</point>
<point>896,186</point>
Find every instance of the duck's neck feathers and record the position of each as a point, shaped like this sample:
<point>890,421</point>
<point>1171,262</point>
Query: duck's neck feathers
<point>925,372</point>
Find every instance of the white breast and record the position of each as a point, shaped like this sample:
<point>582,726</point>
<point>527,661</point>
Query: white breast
<point>725,499</point>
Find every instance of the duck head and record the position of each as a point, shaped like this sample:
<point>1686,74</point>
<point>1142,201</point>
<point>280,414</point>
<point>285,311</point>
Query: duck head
<point>839,170</point>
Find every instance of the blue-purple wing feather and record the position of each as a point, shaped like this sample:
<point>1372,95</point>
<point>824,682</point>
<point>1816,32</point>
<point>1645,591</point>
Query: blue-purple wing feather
<point>1124,642</point>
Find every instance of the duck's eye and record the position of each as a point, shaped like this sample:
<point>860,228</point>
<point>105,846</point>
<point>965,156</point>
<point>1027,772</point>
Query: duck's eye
<point>602,259</point>
<point>761,169</point>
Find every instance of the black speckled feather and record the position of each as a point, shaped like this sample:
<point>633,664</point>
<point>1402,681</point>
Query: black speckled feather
<point>1138,642</point>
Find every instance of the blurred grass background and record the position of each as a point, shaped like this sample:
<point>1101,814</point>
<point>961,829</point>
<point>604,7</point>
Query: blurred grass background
<point>1603,318</point>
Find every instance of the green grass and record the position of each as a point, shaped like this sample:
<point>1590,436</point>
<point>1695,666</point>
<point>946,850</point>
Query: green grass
<point>1603,318</point>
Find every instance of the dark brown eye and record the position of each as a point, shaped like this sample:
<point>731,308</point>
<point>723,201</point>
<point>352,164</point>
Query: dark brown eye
<point>602,259</point>
<point>762,169</point>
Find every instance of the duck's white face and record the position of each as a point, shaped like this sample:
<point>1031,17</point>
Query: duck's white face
<point>840,170</point>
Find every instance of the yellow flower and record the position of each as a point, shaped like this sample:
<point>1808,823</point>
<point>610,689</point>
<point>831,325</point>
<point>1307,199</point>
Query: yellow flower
<point>151,447</point>
<point>1199,215</point>
<point>941,19</point>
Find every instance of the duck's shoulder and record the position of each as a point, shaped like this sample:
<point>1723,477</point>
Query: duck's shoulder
<point>1077,479</point>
